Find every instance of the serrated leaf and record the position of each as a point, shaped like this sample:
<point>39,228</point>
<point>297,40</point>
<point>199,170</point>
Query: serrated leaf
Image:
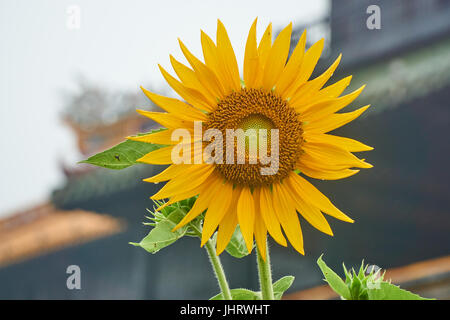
<point>362,271</point>
<point>240,294</point>
<point>334,280</point>
<point>161,235</point>
<point>388,291</point>
<point>280,286</point>
<point>124,154</point>
<point>236,247</point>
<point>348,275</point>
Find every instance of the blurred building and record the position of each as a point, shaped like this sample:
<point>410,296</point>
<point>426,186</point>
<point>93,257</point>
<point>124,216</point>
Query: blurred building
<point>400,206</point>
<point>44,228</point>
<point>90,220</point>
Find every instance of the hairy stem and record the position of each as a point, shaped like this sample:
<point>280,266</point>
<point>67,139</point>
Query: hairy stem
<point>216,264</point>
<point>265,275</point>
<point>218,269</point>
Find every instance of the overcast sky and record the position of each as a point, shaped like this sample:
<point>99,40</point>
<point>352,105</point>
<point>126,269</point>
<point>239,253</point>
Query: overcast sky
<point>118,45</point>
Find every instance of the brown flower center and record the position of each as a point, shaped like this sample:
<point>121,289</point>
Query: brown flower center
<point>258,109</point>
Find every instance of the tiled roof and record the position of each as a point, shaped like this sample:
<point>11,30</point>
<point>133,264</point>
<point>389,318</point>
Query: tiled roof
<point>102,182</point>
<point>44,229</point>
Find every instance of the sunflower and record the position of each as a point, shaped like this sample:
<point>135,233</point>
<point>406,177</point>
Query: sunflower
<point>275,93</point>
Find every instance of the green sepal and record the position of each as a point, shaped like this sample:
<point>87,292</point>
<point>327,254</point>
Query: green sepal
<point>161,235</point>
<point>355,287</point>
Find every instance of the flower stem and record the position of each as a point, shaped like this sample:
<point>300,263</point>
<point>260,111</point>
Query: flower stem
<point>218,270</point>
<point>265,275</point>
<point>216,264</point>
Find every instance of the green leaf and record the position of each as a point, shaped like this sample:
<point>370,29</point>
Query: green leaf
<point>334,280</point>
<point>176,216</point>
<point>348,275</point>
<point>388,291</point>
<point>279,288</point>
<point>240,294</point>
<point>282,285</point>
<point>124,154</point>
<point>236,247</point>
<point>365,285</point>
<point>355,287</point>
<point>161,235</point>
<point>362,271</point>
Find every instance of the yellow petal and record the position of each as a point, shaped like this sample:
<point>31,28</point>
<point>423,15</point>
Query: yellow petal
<point>341,142</point>
<point>260,227</point>
<point>228,223</point>
<point>264,45</point>
<point>334,121</point>
<point>171,105</point>
<point>205,198</point>
<point>323,109</point>
<point>263,52</point>
<point>206,77</point>
<point>276,59</point>
<point>165,155</point>
<point>288,217</point>
<point>270,217</point>
<point>226,52</point>
<point>193,97</point>
<point>326,174</point>
<point>327,93</point>
<point>189,78</point>
<point>167,120</point>
<point>246,216</point>
<point>311,88</point>
<point>160,137</point>
<point>214,61</point>
<point>329,156</point>
<point>314,217</point>
<point>191,178</point>
<point>308,64</point>
<point>251,58</point>
<point>209,51</point>
<point>310,60</point>
<point>216,211</point>
<point>315,197</point>
<point>292,68</point>
<point>169,173</point>
<point>160,156</point>
<point>181,196</point>
<point>308,210</point>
